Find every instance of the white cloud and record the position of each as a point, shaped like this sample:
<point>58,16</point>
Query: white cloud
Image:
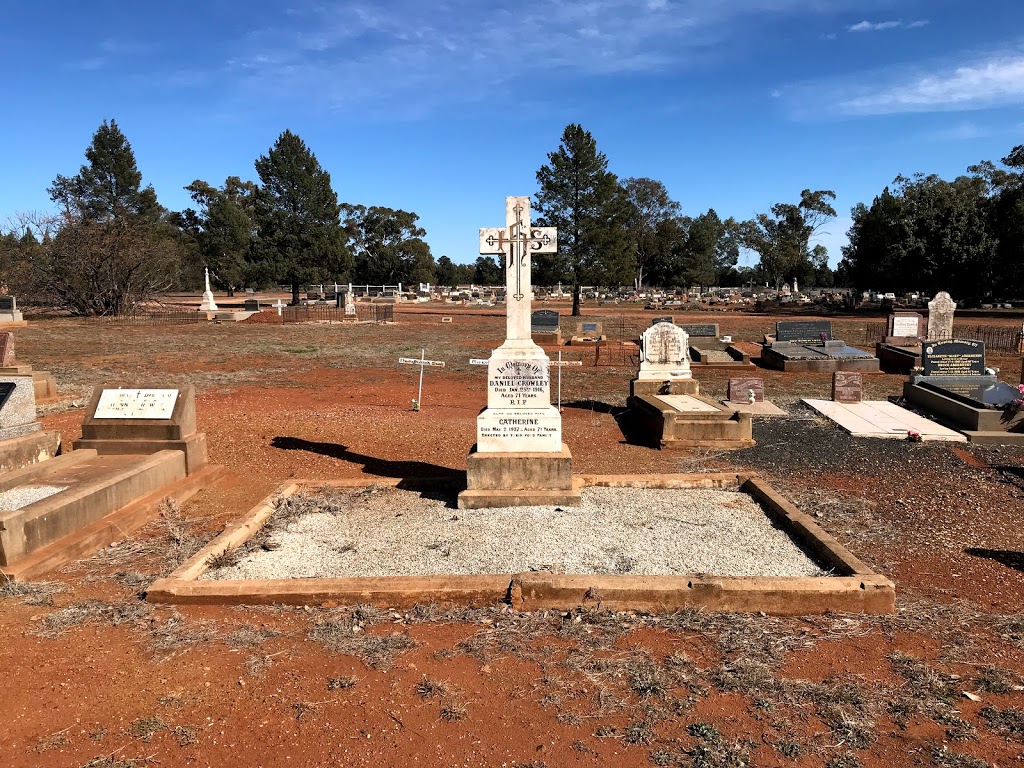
<point>881,26</point>
<point>995,81</point>
<point>408,56</point>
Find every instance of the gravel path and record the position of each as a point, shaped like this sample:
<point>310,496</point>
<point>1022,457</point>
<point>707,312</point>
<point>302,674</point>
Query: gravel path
<point>390,532</point>
<point>23,495</point>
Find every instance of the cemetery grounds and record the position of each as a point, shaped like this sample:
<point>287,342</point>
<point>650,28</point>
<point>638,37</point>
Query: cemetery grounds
<point>95,676</point>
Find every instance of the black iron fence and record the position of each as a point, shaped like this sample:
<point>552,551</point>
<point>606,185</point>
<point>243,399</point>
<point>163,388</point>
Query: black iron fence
<point>183,317</point>
<point>318,313</point>
<point>997,338</point>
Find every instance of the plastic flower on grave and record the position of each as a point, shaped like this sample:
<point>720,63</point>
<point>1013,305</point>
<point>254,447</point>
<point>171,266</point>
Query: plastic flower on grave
<point>913,436</point>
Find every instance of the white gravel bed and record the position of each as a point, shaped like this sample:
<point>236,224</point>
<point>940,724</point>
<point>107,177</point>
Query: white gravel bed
<point>23,495</point>
<point>390,532</point>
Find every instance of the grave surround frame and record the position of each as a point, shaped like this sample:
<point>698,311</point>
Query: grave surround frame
<point>855,588</point>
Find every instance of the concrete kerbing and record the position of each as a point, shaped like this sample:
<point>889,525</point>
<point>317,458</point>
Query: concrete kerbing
<point>857,589</point>
<point>108,529</point>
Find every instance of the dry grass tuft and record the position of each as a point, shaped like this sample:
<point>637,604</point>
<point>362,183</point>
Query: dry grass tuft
<point>453,709</point>
<point>145,728</point>
<point>943,758</point>
<point>53,741</point>
<point>108,761</point>
<point>248,636</point>
<point>91,611</point>
<point>992,679</point>
<point>428,688</point>
<point>177,634</point>
<point>341,683</point>
<point>1006,722</point>
<point>31,593</point>
<point>375,651</point>
<point>185,735</point>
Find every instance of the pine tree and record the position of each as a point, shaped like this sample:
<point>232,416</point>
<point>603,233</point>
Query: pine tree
<point>580,197</point>
<point>109,186</point>
<point>299,237</point>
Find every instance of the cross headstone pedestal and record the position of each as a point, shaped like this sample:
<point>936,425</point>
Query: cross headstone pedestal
<point>519,458</point>
<point>279,305</point>
<point>519,416</point>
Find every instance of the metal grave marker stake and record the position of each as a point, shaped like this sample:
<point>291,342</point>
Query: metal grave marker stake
<point>422,362</point>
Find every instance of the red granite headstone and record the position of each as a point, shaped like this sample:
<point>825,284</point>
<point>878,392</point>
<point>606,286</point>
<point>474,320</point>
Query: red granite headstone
<point>739,390</point>
<point>847,387</point>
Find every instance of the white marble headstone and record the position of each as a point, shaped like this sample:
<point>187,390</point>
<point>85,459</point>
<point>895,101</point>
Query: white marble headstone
<point>664,353</point>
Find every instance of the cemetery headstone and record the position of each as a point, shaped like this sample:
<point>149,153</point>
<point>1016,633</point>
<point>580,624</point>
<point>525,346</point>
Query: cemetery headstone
<point>703,330</point>
<point>17,407</point>
<point>662,319</point>
<point>953,357</point>
<point>8,304</point>
<point>252,305</point>
<point>906,325</point>
<point>544,321</point>
<point>6,349</point>
<point>519,458</point>
<point>664,353</point>
<point>144,421</point>
<point>803,331</point>
<point>940,317</point>
<point>847,387</point>
<point>739,389</point>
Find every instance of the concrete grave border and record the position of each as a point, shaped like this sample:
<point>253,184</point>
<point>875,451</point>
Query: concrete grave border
<point>856,588</point>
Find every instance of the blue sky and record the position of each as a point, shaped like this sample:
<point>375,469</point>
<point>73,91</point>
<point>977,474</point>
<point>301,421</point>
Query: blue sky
<point>444,108</point>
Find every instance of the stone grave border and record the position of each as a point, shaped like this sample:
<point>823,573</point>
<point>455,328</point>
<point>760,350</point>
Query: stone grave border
<point>856,588</point>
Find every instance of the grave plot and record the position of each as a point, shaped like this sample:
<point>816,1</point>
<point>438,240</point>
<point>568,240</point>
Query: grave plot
<point>666,402</point>
<point>955,388</point>
<point>43,382</point>
<point>708,348</point>
<point>657,543</point>
<point>808,346</point>
<point>139,446</point>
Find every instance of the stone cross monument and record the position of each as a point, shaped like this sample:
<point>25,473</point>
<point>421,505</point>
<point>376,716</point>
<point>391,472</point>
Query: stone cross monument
<point>519,457</point>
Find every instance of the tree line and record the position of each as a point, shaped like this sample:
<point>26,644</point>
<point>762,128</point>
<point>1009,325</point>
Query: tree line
<point>110,243</point>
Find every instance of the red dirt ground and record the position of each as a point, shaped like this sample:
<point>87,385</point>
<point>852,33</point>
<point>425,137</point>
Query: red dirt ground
<point>280,402</point>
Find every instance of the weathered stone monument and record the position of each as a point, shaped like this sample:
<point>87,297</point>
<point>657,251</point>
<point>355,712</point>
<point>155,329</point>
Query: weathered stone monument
<point>43,382</point>
<point>900,350</point>
<point>519,458</point>
<point>666,402</point>
<point>22,439</point>
<point>940,317</point>
<point>589,333</point>
<point>10,315</point>
<point>208,305</point>
<point>847,387</point>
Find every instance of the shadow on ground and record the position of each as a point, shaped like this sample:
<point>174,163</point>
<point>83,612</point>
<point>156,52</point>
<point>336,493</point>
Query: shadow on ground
<point>1006,557</point>
<point>632,433</point>
<point>406,470</point>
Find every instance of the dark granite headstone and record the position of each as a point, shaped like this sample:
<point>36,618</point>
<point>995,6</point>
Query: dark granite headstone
<point>847,387</point>
<point>953,357</point>
<point>666,319</point>
<point>803,331</point>
<point>6,389</point>
<point>8,304</point>
<point>589,327</point>
<point>985,394</point>
<point>544,321</point>
<point>701,329</point>
<point>739,390</point>
<point>252,305</point>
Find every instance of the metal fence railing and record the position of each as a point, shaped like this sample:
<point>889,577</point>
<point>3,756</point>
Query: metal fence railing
<point>184,317</point>
<point>997,338</point>
<point>315,313</point>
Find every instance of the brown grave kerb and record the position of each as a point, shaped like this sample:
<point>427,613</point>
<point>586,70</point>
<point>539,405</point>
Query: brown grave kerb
<point>855,588</point>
